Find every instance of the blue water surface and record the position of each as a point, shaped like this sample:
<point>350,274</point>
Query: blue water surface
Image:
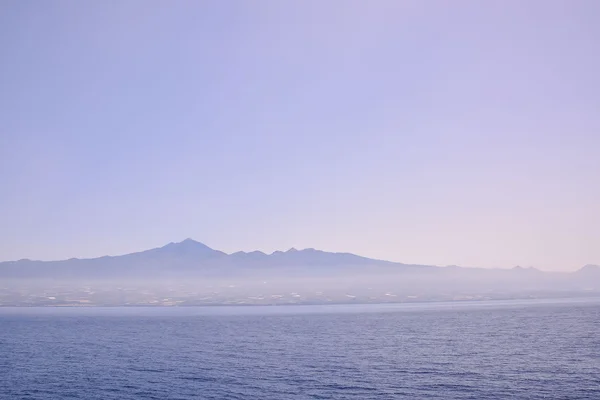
<point>537,349</point>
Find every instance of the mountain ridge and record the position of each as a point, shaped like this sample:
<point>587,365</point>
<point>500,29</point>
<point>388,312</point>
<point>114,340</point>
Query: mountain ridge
<point>190,257</point>
<point>187,257</point>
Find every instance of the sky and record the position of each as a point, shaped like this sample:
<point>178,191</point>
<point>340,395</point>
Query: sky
<point>440,132</point>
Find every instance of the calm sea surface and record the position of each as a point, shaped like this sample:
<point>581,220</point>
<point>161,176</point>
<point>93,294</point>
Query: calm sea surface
<point>487,350</point>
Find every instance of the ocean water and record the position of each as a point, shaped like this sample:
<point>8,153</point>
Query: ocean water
<point>487,350</point>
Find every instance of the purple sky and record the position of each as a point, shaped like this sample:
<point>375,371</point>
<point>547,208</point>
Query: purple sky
<point>439,132</point>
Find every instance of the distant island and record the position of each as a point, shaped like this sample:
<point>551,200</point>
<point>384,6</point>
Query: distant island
<point>191,273</point>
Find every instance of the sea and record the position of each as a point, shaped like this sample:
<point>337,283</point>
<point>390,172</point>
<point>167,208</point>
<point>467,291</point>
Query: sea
<point>522,349</point>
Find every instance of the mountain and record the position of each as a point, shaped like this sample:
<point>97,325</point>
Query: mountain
<point>192,258</point>
<point>589,271</point>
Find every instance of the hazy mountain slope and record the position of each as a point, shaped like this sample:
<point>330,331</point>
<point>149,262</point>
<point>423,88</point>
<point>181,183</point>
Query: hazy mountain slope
<point>190,258</point>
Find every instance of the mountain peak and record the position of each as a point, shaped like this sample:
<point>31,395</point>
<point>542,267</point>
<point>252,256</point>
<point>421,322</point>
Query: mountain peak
<point>187,244</point>
<point>292,250</point>
<point>589,268</point>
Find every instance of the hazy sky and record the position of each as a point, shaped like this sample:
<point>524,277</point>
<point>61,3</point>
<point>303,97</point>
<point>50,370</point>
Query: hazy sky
<point>442,132</point>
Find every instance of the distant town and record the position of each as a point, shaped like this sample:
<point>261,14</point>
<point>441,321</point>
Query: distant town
<point>182,295</point>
